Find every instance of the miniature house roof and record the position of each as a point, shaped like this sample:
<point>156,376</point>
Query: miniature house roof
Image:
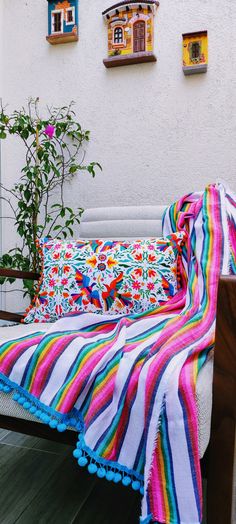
<point>121,6</point>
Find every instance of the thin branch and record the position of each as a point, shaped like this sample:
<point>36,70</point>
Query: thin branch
<point>9,191</point>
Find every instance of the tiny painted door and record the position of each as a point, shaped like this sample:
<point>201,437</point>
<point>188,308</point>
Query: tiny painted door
<point>139,36</point>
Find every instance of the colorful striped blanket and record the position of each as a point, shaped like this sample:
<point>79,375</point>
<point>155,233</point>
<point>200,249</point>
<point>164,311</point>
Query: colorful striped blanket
<point>128,384</point>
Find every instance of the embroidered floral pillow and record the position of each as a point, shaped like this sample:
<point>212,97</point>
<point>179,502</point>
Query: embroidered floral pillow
<point>103,276</point>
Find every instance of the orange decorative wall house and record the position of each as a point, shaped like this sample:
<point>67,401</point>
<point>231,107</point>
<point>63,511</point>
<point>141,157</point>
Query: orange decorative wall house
<point>130,32</point>
<point>195,52</point>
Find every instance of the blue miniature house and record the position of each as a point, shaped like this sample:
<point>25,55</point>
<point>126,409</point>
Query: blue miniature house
<point>63,21</point>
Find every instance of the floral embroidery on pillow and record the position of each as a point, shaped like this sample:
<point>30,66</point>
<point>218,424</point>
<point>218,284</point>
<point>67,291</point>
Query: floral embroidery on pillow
<point>103,276</point>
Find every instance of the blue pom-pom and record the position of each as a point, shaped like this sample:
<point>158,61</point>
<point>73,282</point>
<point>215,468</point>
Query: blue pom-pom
<point>61,427</point>
<point>110,475</point>
<point>78,444</point>
<point>6,389</point>
<point>32,410</point>
<point>83,461</point>
<point>117,478</point>
<point>77,453</point>
<point>142,491</point>
<point>72,422</point>
<point>101,473</point>
<point>38,413</point>
<point>16,396</point>
<point>44,417</point>
<point>53,423</point>
<point>126,481</point>
<point>136,485</point>
<point>92,468</point>
<point>1,386</point>
<point>26,405</point>
<point>21,400</point>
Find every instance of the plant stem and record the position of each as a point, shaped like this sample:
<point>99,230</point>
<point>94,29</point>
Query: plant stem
<point>35,212</point>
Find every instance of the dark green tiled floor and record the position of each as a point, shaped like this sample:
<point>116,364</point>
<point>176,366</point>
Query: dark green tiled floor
<point>40,483</point>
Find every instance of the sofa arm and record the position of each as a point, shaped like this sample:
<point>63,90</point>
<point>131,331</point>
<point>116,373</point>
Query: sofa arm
<point>222,441</point>
<point>15,273</point>
<point>22,275</point>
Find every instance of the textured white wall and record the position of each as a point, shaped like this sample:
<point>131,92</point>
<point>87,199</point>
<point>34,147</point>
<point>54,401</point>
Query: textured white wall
<point>156,133</point>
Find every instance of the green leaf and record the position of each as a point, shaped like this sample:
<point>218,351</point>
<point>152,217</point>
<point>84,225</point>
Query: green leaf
<point>73,169</point>
<point>27,195</point>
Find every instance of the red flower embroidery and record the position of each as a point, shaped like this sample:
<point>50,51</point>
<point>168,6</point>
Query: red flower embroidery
<point>151,273</point>
<point>138,272</point>
<point>136,285</point>
<point>151,258</point>
<point>153,300</point>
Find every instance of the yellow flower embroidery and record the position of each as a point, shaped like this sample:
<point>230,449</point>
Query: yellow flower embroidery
<point>111,262</point>
<point>92,261</point>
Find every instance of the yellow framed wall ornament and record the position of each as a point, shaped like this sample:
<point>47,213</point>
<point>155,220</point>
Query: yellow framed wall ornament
<point>195,52</point>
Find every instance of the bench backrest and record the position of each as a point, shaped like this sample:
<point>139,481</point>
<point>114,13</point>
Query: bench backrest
<point>128,222</point>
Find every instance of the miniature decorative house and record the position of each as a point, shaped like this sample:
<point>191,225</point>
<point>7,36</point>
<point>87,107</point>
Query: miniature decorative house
<point>195,52</point>
<point>63,21</point>
<point>130,32</point>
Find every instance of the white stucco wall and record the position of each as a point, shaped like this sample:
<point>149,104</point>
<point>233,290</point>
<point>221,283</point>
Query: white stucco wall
<point>157,133</point>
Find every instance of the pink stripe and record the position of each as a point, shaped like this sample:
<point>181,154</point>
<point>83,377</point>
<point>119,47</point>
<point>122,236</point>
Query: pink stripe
<point>82,374</point>
<point>43,369</point>
<point>14,354</point>
<point>98,402</point>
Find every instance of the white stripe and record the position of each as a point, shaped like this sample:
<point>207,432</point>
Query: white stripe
<point>18,369</point>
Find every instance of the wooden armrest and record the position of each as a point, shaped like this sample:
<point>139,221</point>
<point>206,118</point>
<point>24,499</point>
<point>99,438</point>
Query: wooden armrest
<point>23,275</point>
<point>222,441</point>
<point>15,273</point>
<point>10,317</point>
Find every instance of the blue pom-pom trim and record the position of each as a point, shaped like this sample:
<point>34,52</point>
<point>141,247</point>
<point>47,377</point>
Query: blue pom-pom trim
<point>112,471</point>
<point>44,413</point>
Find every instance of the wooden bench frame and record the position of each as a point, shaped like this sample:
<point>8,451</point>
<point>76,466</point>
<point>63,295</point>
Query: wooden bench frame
<point>218,461</point>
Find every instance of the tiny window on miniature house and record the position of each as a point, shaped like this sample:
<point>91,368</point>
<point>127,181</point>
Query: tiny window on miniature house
<point>57,21</point>
<point>195,51</point>
<point>70,15</point>
<point>118,35</point>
